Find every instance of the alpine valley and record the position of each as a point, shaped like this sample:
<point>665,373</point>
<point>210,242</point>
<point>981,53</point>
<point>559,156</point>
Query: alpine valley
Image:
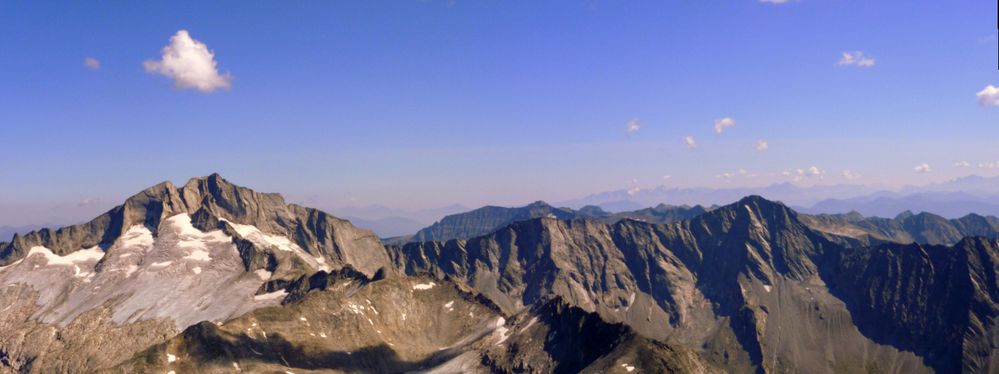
<point>210,277</point>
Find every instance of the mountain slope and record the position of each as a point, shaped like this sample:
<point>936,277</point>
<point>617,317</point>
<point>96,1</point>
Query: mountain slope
<point>853,229</point>
<point>748,284</point>
<point>84,296</point>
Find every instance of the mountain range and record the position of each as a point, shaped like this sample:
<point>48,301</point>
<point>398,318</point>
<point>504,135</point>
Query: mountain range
<point>951,199</point>
<point>213,277</point>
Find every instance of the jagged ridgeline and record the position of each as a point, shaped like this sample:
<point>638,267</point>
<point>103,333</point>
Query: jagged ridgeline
<point>213,277</point>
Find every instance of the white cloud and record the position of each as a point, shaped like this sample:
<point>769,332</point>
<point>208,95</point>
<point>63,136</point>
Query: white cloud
<point>850,175</point>
<point>856,58</point>
<point>774,1</point>
<point>666,177</point>
<point>761,145</point>
<point>633,126</point>
<point>633,191</point>
<point>190,64</point>
<point>722,124</point>
<point>92,63</point>
<point>988,165</point>
<point>989,96</point>
<point>689,140</point>
<point>922,168</point>
<point>799,174</point>
<point>962,164</point>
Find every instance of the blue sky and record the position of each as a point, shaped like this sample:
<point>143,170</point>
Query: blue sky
<point>417,104</point>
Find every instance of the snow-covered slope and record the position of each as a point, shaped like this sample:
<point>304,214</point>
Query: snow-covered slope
<point>87,296</point>
<point>182,274</point>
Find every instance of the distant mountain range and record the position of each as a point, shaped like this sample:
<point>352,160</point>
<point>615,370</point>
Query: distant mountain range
<point>490,218</point>
<point>952,199</point>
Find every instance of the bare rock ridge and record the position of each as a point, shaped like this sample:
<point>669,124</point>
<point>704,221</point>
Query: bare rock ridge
<point>853,229</point>
<point>213,203</point>
<point>491,218</point>
<point>748,283</point>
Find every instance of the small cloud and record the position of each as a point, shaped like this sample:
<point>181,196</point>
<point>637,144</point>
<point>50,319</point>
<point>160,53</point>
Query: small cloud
<point>799,174</point>
<point>761,145</point>
<point>774,1</point>
<point>987,39</point>
<point>989,96</point>
<point>962,164</point>
<point>92,63</point>
<point>988,165</point>
<point>689,140</point>
<point>633,191</point>
<point>633,126</point>
<point>667,177</point>
<point>922,168</point>
<point>722,124</point>
<point>190,64</point>
<point>856,58</point>
<point>850,175</point>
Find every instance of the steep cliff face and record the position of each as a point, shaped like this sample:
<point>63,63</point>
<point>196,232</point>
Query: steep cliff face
<point>940,302</point>
<point>747,285</point>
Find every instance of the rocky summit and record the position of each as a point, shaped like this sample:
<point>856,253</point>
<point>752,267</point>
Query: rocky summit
<point>213,277</point>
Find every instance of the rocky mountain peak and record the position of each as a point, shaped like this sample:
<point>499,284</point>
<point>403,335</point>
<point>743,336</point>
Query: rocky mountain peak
<point>215,203</point>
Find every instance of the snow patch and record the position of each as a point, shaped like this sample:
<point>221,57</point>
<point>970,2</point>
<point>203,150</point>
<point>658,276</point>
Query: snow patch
<point>271,296</point>
<point>171,358</point>
<point>254,234</point>
<point>189,236</point>
<point>263,274</point>
<point>198,255</point>
<point>501,331</point>
<point>627,367</point>
<point>356,309</point>
<point>136,236</point>
<point>160,264</point>
<point>767,287</point>
<point>196,270</point>
<point>450,306</point>
<point>78,257</point>
<point>424,286</point>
